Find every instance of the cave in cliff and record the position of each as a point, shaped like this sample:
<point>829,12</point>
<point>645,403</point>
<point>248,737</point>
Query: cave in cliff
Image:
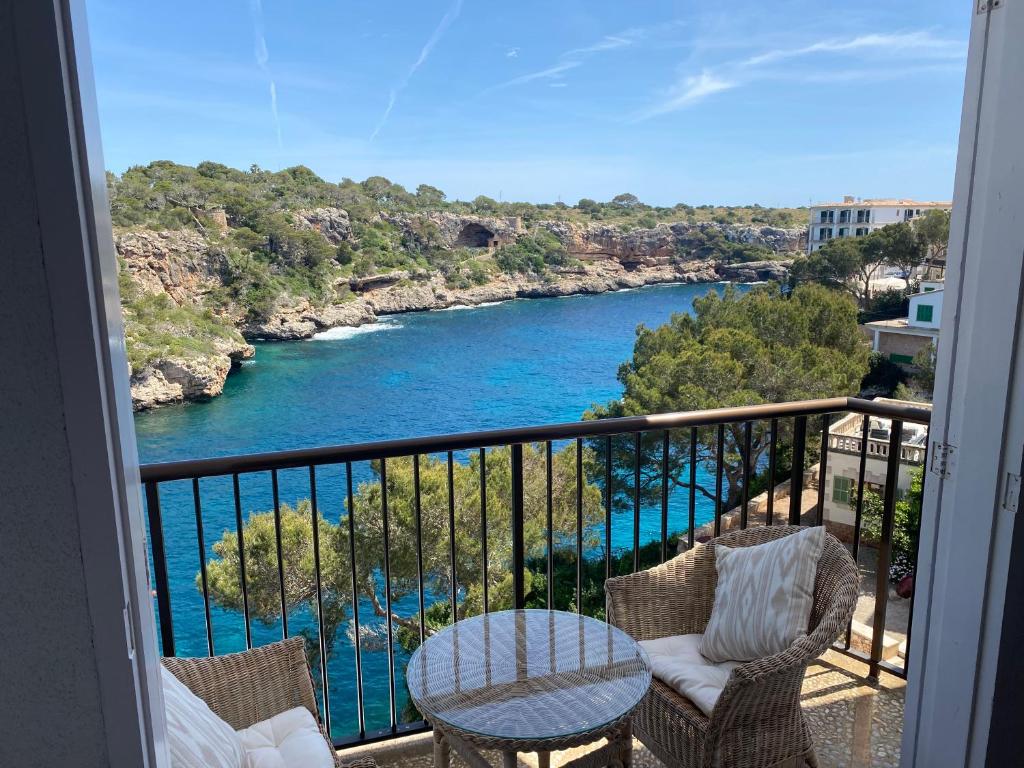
<point>475,236</point>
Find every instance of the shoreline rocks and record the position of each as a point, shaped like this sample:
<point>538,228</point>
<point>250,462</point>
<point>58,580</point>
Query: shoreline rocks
<point>186,266</point>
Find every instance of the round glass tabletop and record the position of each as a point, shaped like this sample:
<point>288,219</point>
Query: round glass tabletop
<point>530,674</point>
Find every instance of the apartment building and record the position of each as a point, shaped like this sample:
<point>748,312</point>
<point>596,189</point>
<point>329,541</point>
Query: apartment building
<point>902,338</point>
<point>854,217</point>
<point>842,472</point>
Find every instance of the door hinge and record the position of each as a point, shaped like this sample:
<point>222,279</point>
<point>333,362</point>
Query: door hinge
<point>943,458</point>
<point>984,6</point>
<point>1011,496</point>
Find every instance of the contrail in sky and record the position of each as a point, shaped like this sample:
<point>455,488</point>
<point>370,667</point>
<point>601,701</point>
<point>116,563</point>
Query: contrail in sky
<point>263,61</point>
<point>442,27</point>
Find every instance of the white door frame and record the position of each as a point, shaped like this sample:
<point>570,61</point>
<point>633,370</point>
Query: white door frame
<point>978,419</point>
<point>60,114</point>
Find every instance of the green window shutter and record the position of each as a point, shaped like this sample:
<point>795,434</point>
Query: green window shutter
<point>929,289</point>
<point>924,313</point>
<point>842,488</point>
<point>901,358</point>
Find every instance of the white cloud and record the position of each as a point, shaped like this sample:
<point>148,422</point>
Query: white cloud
<point>263,61</point>
<point>900,43</point>
<point>446,21</point>
<point>689,91</point>
<point>575,57</point>
<point>512,53</point>
<point>908,47</point>
<point>557,71</point>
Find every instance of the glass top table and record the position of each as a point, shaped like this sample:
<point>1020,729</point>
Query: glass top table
<point>520,678</point>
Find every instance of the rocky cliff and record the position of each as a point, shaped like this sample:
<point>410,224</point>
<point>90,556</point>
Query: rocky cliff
<point>174,284</point>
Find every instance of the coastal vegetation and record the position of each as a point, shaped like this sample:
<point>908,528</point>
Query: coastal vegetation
<point>850,263</point>
<point>368,542</point>
<point>765,346</point>
<point>158,329</point>
<point>282,254</point>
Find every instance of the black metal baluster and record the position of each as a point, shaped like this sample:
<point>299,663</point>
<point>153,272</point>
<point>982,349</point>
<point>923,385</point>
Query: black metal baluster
<point>579,525</point>
<point>796,476</point>
<point>747,430</point>
<point>350,497</point>
<point>483,528</point>
<point>892,470</point>
<point>550,536</point>
<point>718,479</point>
<point>419,546</point>
<point>387,589</point>
<point>280,554</point>
<point>691,516</point>
<point>161,585</point>
<point>518,529</point>
<point>772,448</point>
<point>823,467</point>
<point>608,509</point>
<point>201,543</point>
<point>917,553</point>
<point>664,495</point>
<point>239,528</point>
<point>636,502</point>
<point>451,538</point>
<point>859,511</point>
<point>315,515</point>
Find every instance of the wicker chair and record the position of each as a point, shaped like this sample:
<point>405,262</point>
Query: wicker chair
<point>757,721</point>
<point>245,688</point>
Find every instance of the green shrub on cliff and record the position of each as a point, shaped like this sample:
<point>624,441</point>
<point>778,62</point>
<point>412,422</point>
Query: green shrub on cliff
<point>156,328</point>
<point>532,253</point>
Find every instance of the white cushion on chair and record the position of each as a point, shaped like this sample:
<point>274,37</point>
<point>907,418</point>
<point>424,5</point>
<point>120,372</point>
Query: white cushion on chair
<point>764,596</point>
<point>196,737</point>
<point>291,739</point>
<point>678,663</point>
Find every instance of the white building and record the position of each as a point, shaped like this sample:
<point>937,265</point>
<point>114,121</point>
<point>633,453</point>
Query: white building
<point>855,218</point>
<point>900,339</point>
<point>842,468</point>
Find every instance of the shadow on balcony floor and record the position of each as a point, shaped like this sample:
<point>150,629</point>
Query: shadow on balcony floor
<point>856,724</point>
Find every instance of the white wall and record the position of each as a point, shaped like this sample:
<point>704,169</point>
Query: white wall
<point>932,299</point>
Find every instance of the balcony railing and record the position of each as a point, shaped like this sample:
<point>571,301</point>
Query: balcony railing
<point>643,466</point>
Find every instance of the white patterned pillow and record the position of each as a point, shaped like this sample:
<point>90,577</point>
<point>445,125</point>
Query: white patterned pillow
<point>764,596</point>
<point>196,737</point>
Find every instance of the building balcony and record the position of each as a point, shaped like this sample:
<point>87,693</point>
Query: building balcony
<point>363,549</point>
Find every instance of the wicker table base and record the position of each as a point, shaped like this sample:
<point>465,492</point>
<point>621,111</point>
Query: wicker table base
<point>617,753</point>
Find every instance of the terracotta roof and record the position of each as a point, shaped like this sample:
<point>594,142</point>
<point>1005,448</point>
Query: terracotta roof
<point>888,201</point>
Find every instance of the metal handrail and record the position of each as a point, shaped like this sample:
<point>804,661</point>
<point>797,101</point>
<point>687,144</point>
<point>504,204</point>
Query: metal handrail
<point>256,462</point>
<point>657,425</point>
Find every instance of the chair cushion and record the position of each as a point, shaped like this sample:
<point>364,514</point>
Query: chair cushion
<point>196,737</point>
<point>678,663</point>
<point>291,739</point>
<point>764,596</point>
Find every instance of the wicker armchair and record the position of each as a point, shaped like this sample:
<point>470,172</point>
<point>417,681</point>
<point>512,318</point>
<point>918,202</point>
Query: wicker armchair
<point>757,721</point>
<point>245,688</point>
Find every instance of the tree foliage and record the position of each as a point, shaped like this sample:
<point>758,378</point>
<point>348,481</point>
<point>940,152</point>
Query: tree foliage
<point>368,526</point>
<point>906,525</point>
<point>735,350</point>
<point>850,263</point>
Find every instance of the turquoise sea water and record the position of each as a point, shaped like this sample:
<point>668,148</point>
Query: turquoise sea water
<point>512,364</point>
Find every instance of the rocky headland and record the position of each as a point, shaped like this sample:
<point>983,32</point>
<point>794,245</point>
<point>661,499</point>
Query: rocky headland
<point>189,270</point>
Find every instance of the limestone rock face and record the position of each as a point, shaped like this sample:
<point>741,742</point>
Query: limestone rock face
<point>661,244</point>
<point>177,379</point>
<point>755,271</point>
<point>332,223</point>
<point>180,263</point>
<point>456,231</point>
<point>299,319</point>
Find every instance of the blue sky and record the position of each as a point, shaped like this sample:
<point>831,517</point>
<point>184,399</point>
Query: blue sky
<point>726,103</point>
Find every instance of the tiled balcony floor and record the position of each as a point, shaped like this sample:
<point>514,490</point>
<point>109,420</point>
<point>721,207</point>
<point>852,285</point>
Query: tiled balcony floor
<point>855,724</point>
